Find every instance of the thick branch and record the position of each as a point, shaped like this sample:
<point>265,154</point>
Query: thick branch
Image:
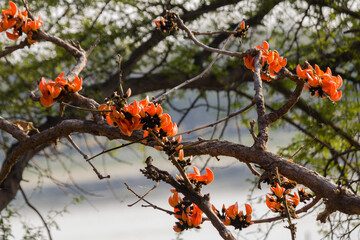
<point>339,199</point>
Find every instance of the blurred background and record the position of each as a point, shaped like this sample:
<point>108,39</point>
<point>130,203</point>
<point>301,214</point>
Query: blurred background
<point>63,188</point>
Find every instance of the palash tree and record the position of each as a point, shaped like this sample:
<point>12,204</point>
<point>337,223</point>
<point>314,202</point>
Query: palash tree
<point>323,157</point>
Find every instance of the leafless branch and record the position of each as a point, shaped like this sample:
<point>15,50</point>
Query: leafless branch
<point>37,212</point>
<point>11,49</point>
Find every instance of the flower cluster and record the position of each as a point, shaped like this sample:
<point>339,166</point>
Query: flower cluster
<point>167,23</point>
<point>270,61</point>
<point>320,83</point>
<point>55,90</point>
<point>12,18</point>
<point>188,214</point>
<point>275,200</point>
<point>232,216</point>
<point>144,115</point>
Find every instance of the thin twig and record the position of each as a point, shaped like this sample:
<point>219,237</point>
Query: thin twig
<point>97,172</point>
<point>215,32</point>
<point>120,74</point>
<point>252,129</point>
<point>26,5</point>
<point>143,196</point>
<point>303,209</point>
<point>182,26</point>
<point>161,98</point>
<point>174,162</point>
<point>69,138</point>
<point>86,157</point>
<point>252,169</point>
<point>114,148</point>
<point>291,226</point>
<point>37,212</point>
<point>221,120</point>
<point>302,147</point>
<point>150,204</point>
<point>182,172</point>
<point>85,109</point>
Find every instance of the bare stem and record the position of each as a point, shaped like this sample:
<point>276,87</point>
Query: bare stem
<point>161,98</point>
<point>291,226</point>
<point>143,199</point>
<point>211,49</point>
<point>221,120</point>
<point>143,196</point>
<point>37,212</point>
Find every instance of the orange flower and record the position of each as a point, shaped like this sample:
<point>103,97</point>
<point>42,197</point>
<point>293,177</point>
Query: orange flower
<point>175,199</point>
<point>294,200</point>
<point>21,19</point>
<point>249,62</point>
<point>7,23</point>
<point>248,209</point>
<point>278,190</point>
<point>49,91</point>
<point>205,179</point>
<point>242,25</point>
<point>273,204</point>
<point>75,85</point>
<point>232,211</point>
<point>11,11</point>
<point>36,24</point>
<point>13,36</point>
<point>195,218</point>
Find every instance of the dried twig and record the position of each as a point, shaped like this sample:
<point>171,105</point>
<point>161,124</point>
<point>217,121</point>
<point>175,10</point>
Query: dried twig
<point>182,26</point>
<point>69,138</point>
<point>143,196</point>
<point>37,212</point>
<point>291,226</point>
<point>221,120</point>
<point>161,98</point>
<point>303,209</point>
<point>143,199</point>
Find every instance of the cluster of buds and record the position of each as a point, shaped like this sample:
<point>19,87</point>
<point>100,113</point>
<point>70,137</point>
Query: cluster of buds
<point>231,216</point>
<point>55,90</point>
<point>182,161</point>
<point>270,61</point>
<point>144,115</point>
<point>320,83</point>
<point>12,18</point>
<point>188,214</point>
<point>167,23</point>
<point>241,31</point>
